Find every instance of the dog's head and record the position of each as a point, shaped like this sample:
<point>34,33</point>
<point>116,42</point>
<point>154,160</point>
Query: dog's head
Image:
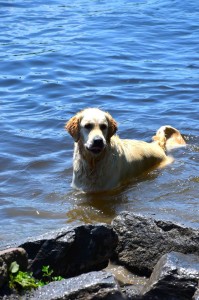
<point>93,127</point>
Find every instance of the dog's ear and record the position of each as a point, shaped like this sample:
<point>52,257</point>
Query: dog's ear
<point>72,126</point>
<point>112,126</point>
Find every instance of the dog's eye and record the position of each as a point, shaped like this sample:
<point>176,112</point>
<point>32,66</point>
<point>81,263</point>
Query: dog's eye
<point>103,126</point>
<point>88,126</point>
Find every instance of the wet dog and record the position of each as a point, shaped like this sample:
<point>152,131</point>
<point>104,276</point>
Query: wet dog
<point>102,161</point>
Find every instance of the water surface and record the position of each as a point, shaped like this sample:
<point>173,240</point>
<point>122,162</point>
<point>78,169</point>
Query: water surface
<point>139,60</point>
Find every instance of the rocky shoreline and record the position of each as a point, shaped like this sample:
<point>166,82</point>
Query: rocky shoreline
<point>165,252</point>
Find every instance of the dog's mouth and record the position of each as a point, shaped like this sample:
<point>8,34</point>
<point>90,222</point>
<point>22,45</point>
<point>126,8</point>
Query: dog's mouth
<point>95,150</point>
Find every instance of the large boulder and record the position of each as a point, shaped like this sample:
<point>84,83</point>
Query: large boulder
<point>175,276</point>
<point>91,286</point>
<point>142,241</point>
<point>72,250</point>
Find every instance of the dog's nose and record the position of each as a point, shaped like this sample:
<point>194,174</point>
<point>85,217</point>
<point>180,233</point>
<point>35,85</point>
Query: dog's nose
<point>98,142</point>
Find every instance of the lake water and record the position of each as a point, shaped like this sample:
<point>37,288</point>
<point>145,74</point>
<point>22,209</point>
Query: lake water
<point>139,60</point>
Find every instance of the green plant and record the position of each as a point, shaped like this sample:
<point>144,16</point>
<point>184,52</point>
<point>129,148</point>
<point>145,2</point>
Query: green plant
<point>19,279</point>
<point>25,280</point>
<point>47,274</point>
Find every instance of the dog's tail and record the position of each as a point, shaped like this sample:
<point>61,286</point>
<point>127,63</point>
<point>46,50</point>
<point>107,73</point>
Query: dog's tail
<point>168,138</point>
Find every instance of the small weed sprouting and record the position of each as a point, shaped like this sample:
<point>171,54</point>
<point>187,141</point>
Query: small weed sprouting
<point>47,274</point>
<point>25,281</point>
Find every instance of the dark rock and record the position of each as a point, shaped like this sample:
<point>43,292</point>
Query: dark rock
<point>7,257</point>
<point>142,241</point>
<point>91,286</point>
<point>175,276</point>
<point>71,251</point>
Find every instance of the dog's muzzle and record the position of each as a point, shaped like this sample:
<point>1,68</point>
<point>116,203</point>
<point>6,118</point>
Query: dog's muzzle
<point>97,145</point>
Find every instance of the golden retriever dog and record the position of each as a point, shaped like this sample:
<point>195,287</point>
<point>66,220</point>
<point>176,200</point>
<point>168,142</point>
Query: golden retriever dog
<point>102,161</point>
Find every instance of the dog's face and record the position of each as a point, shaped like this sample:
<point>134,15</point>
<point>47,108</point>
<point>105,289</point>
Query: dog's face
<point>94,128</point>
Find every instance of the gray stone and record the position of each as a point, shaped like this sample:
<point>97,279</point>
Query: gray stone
<point>142,241</point>
<point>7,257</point>
<point>11,297</point>
<point>3,272</point>
<point>91,286</point>
<point>71,251</point>
<point>175,276</point>
<point>196,295</point>
<point>132,292</point>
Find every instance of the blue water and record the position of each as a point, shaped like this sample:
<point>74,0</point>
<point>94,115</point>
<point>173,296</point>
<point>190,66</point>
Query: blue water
<point>139,60</point>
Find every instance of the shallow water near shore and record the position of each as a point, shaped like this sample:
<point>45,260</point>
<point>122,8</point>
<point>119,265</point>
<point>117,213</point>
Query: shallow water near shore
<point>138,60</point>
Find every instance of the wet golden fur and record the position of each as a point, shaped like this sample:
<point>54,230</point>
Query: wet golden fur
<point>102,161</point>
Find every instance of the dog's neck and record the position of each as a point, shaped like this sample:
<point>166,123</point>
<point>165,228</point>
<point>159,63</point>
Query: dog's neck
<point>87,169</point>
<point>88,158</point>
